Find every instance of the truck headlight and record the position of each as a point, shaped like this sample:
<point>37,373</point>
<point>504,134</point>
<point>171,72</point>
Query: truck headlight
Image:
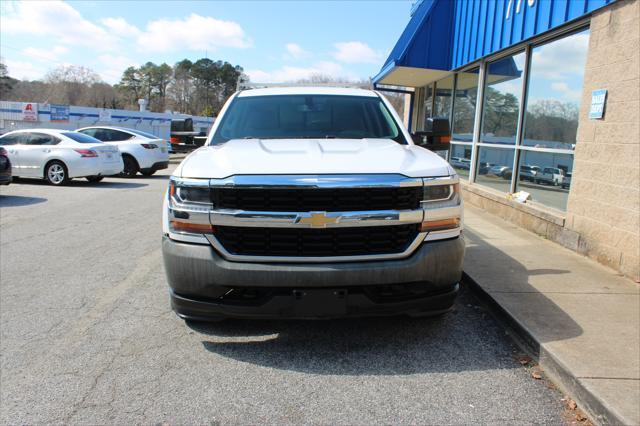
<point>189,205</point>
<point>442,204</point>
<point>439,192</point>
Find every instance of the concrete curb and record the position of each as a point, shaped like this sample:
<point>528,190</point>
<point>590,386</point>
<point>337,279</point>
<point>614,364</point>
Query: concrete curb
<point>557,371</point>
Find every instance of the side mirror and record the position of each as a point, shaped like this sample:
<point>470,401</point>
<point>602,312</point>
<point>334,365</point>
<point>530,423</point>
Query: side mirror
<point>436,136</point>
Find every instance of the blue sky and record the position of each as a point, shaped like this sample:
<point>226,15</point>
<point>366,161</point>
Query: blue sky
<point>273,41</point>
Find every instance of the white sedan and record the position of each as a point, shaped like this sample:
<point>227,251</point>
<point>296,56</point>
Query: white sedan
<point>141,152</point>
<point>60,155</point>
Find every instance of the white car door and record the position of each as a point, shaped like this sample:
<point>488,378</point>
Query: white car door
<point>13,144</point>
<point>35,153</point>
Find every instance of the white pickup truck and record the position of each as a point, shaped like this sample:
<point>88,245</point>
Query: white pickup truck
<point>311,203</point>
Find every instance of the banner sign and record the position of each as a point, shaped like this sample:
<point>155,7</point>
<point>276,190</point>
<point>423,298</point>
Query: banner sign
<point>105,115</point>
<point>30,111</point>
<point>60,113</point>
<point>598,99</point>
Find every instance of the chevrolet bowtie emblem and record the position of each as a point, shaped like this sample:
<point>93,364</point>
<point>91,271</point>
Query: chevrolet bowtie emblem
<point>317,220</point>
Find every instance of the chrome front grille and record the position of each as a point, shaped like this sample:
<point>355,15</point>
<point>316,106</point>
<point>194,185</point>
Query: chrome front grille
<point>315,218</point>
<point>317,199</point>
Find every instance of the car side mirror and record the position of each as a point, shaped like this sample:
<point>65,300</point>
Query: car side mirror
<point>436,136</point>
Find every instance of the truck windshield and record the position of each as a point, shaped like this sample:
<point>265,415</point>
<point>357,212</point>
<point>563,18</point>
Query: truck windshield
<point>306,117</point>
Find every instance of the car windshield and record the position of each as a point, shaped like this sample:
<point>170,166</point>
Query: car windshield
<point>141,133</point>
<point>307,116</point>
<point>81,137</point>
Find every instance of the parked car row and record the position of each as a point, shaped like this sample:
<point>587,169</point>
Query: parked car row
<point>548,175</point>
<point>92,152</point>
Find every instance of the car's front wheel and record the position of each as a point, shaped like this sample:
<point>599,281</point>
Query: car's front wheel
<point>56,173</point>
<point>94,179</point>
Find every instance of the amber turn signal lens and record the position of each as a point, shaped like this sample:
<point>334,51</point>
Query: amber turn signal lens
<point>191,227</point>
<point>440,225</point>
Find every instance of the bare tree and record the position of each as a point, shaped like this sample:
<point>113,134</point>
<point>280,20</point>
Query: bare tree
<point>70,84</point>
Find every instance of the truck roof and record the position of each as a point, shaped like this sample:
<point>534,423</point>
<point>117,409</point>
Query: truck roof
<point>307,90</point>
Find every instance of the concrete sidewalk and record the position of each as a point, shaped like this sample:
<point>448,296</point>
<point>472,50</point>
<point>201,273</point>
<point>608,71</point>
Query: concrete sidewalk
<point>581,319</point>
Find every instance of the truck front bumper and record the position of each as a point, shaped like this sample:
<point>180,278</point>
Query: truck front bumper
<point>203,285</point>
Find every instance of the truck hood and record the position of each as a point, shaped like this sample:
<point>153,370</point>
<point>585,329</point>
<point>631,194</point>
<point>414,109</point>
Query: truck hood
<point>311,156</point>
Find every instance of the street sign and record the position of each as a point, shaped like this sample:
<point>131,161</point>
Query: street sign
<point>598,100</point>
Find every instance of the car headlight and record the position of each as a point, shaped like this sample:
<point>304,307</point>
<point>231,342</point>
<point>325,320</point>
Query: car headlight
<point>189,206</point>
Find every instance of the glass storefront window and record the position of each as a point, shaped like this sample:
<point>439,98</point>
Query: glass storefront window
<point>546,176</point>
<point>442,105</point>
<point>554,92</point>
<point>502,100</point>
<point>495,168</point>
<point>428,101</point>
<point>464,106</point>
<point>461,158</point>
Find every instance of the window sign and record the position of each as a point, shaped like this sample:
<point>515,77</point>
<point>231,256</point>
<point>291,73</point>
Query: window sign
<point>30,112</point>
<point>598,99</point>
<point>60,113</point>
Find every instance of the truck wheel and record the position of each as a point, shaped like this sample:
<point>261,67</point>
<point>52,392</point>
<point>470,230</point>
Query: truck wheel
<point>148,172</point>
<point>56,173</point>
<point>130,166</point>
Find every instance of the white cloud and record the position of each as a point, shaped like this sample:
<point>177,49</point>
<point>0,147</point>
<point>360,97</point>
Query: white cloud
<point>120,27</point>
<point>354,52</point>
<point>259,76</point>
<point>193,33</point>
<point>113,66</point>
<point>24,70</point>
<point>288,74</point>
<point>56,20</point>
<point>564,88</point>
<point>294,51</point>
<point>43,55</point>
<point>561,58</point>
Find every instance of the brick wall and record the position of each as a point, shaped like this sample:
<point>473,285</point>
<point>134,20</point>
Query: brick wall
<point>604,201</point>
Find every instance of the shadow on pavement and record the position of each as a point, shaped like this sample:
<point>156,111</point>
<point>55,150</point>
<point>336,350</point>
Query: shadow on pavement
<point>465,339</point>
<point>17,201</point>
<point>153,177</point>
<point>79,183</point>
<point>507,281</point>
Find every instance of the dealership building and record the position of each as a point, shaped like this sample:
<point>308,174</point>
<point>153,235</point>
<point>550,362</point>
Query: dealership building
<point>542,97</point>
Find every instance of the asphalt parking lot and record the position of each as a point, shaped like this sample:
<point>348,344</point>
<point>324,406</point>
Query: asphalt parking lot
<point>87,337</point>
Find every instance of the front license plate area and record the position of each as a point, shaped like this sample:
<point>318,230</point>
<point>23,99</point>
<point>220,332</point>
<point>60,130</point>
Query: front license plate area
<point>319,302</point>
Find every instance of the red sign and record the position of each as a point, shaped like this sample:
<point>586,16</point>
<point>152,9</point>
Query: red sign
<point>30,112</point>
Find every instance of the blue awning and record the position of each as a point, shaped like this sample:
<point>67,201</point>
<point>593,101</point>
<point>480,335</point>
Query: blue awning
<point>425,45</point>
<point>444,35</point>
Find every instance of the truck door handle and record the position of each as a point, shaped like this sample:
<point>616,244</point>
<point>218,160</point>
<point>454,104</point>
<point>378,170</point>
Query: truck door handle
<point>46,150</point>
